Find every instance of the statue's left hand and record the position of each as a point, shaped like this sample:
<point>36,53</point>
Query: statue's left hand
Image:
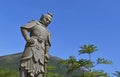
<point>31,40</point>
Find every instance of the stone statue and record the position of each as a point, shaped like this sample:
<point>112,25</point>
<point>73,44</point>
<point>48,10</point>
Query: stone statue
<point>35,56</point>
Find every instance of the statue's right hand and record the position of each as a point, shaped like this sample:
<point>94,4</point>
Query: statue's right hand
<point>30,40</point>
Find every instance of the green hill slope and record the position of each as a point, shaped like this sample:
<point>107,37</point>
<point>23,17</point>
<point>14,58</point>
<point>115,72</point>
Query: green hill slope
<point>12,62</point>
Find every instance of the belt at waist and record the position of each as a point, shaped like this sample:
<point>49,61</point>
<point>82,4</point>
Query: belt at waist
<point>40,39</point>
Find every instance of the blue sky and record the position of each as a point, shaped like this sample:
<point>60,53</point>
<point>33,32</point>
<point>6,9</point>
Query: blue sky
<point>75,22</point>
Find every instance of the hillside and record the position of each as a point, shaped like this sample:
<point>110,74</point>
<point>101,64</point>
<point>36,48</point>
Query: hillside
<point>12,62</point>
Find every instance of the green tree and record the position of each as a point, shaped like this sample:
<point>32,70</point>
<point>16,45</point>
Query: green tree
<point>88,50</point>
<point>87,64</point>
<point>50,72</point>
<point>94,73</point>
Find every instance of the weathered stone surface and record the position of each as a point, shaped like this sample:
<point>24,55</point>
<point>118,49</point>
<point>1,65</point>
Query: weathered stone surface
<point>35,56</point>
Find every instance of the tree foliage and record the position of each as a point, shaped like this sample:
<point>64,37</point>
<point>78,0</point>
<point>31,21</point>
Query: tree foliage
<point>73,64</point>
<point>94,74</point>
<point>52,74</point>
<point>103,61</point>
<point>87,49</point>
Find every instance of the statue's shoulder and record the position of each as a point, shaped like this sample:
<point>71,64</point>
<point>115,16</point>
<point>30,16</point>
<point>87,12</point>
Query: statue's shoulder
<point>31,24</point>
<point>33,21</point>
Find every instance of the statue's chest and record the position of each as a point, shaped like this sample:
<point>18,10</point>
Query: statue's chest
<point>39,30</point>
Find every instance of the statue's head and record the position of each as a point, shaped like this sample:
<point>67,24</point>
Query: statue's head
<point>46,19</point>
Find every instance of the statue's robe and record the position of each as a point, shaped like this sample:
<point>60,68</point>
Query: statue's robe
<point>35,55</point>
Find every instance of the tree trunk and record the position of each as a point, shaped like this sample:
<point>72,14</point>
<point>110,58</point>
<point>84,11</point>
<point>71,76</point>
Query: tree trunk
<point>90,61</point>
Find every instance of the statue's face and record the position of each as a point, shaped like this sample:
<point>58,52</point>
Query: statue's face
<point>46,21</point>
